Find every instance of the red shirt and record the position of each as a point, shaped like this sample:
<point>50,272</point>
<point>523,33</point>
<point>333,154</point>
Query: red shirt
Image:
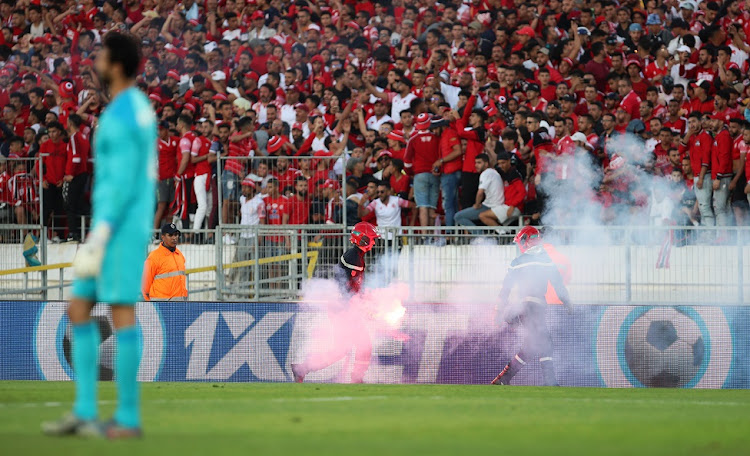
<point>423,151</point>
<point>400,184</point>
<point>678,126</point>
<point>167,158</point>
<point>448,140</point>
<point>53,157</point>
<point>200,148</point>
<point>299,210</point>
<point>631,104</point>
<point>699,151</point>
<point>77,160</point>
<point>721,155</point>
<point>5,196</point>
<point>275,210</point>
<point>185,147</point>
<point>286,179</point>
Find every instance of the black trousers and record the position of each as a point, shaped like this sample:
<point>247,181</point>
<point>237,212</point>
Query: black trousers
<point>469,189</point>
<point>77,205</point>
<point>52,199</point>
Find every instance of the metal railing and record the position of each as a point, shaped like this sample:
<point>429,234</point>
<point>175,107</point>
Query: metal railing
<point>614,265</point>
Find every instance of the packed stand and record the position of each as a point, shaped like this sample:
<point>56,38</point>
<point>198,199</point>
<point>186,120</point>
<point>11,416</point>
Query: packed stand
<point>396,112</point>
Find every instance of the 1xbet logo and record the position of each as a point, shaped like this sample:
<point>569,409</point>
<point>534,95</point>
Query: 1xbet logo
<point>237,346</point>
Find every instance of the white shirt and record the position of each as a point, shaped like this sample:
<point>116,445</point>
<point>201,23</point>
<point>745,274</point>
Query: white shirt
<point>399,103</point>
<point>373,123</point>
<point>492,184</point>
<point>252,211</point>
<point>388,214</point>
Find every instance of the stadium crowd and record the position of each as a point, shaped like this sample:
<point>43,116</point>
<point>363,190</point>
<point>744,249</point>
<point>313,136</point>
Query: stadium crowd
<point>467,113</point>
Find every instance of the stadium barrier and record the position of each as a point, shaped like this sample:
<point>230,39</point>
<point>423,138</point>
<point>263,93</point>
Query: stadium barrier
<point>633,265</point>
<point>598,346</point>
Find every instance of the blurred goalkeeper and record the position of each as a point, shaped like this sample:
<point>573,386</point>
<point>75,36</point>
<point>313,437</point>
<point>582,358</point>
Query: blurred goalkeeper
<point>348,322</point>
<point>109,265</point>
<point>531,272</point>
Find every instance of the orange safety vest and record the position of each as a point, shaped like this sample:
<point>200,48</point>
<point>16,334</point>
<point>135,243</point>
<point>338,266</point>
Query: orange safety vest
<point>164,275</point>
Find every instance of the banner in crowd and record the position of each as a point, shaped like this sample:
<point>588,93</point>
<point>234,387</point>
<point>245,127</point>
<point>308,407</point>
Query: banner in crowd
<point>601,346</point>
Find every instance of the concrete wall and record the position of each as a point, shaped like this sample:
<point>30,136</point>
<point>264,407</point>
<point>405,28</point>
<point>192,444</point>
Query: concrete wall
<point>697,274</point>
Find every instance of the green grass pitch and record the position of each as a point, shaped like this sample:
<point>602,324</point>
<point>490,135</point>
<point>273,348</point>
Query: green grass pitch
<point>267,419</point>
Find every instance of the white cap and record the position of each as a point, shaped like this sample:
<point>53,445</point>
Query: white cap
<point>683,48</point>
<point>578,136</point>
<point>218,76</point>
<point>315,27</point>
<point>687,5</point>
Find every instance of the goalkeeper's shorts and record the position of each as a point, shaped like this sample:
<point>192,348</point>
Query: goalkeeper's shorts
<point>119,281</point>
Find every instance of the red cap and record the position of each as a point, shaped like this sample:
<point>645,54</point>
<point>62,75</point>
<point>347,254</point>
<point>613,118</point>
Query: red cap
<point>5,73</point>
<point>397,135</point>
<point>275,143</point>
<point>330,183</point>
<point>526,30</point>
<point>385,153</point>
<point>252,75</point>
<point>219,97</point>
<point>302,106</point>
<point>491,110</point>
<point>87,62</point>
<point>66,89</point>
<point>569,61</point>
<point>155,97</point>
<point>173,74</point>
<point>297,126</point>
<point>257,15</point>
<point>248,181</point>
<point>189,106</point>
<point>462,52</point>
<point>353,25</point>
<point>423,121</point>
<point>292,87</point>
<point>317,58</point>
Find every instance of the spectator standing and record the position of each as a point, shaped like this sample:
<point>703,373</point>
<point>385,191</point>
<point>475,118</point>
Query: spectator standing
<point>54,154</point>
<point>252,213</point>
<point>698,145</point>
<point>167,146</point>
<point>422,151</point>
<point>76,176</point>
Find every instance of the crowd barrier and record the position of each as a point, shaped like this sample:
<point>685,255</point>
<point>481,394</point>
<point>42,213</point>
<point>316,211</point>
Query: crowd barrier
<point>596,346</point>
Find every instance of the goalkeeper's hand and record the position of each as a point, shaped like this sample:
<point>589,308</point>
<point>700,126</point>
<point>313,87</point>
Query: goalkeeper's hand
<point>88,260</point>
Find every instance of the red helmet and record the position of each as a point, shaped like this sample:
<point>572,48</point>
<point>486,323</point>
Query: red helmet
<point>364,235</point>
<point>526,238</point>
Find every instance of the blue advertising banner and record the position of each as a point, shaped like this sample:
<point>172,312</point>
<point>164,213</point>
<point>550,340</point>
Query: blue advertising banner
<point>603,346</point>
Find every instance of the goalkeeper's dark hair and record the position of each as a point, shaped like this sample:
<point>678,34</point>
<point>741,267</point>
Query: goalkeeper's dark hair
<point>125,50</point>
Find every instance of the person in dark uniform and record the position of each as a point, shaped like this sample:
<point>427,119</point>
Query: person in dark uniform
<point>531,272</point>
<point>347,321</point>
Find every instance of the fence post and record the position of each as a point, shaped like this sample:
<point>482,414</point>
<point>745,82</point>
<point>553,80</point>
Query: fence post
<point>256,265</point>
<point>43,254</point>
<point>628,266</point>
<point>293,263</point>
<point>740,268</point>
<point>62,283</point>
<point>304,262</point>
<point>219,243</point>
<point>25,284</point>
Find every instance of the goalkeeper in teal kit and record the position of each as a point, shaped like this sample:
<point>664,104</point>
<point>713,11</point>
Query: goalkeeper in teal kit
<point>108,266</point>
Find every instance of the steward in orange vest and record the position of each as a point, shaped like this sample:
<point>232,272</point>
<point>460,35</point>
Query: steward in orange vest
<point>164,276</point>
